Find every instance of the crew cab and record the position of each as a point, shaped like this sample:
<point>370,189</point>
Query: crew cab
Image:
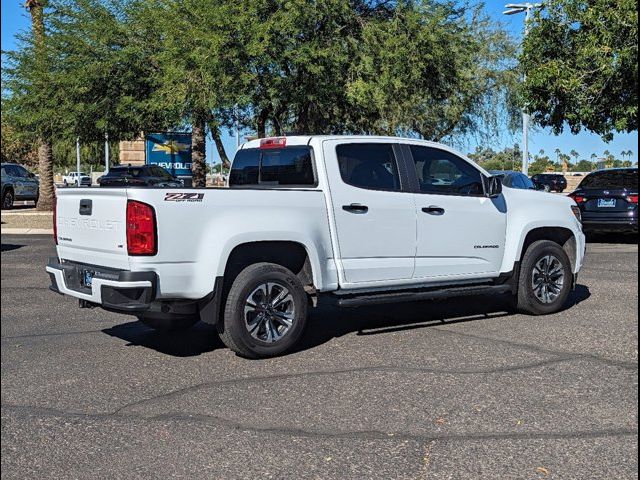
<point>355,220</point>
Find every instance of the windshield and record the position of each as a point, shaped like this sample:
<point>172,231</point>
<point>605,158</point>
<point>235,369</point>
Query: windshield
<point>612,179</point>
<point>125,172</point>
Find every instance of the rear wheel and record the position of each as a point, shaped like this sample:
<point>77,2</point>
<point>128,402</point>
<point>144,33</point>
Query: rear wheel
<point>545,279</point>
<point>7,199</point>
<point>169,324</point>
<point>265,312</point>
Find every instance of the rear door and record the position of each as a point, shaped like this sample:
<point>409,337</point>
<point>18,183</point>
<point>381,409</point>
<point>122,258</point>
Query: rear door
<point>30,182</point>
<point>18,181</point>
<point>375,221</point>
<point>91,226</point>
<point>461,233</point>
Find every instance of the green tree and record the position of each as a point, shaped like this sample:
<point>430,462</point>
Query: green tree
<point>96,77</point>
<point>37,85</point>
<point>583,166</point>
<point>580,61</point>
<point>431,69</point>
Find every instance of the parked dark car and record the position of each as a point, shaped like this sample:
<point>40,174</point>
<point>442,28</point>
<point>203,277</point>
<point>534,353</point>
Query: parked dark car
<point>514,179</point>
<point>18,183</point>
<point>608,200</point>
<point>550,182</point>
<point>138,176</point>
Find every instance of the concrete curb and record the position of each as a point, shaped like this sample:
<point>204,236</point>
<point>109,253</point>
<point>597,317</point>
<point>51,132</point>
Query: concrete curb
<point>27,231</point>
<point>19,214</point>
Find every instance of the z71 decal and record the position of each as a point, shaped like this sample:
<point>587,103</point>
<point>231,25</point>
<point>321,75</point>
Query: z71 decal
<point>183,197</point>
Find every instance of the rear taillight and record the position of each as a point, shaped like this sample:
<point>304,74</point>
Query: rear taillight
<point>632,199</point>
<point>141,229</point>
<point>275,142</point>
<point>55,218</point>
<point>578,198</point>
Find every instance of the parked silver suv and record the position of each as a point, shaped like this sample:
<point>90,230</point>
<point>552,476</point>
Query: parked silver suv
<point>18,183</point>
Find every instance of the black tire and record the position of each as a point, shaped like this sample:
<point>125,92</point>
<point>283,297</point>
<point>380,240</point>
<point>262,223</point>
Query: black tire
<point>233,328</point>
<point>7,199</point>
<point>527,300</point>
<point>169,324</point>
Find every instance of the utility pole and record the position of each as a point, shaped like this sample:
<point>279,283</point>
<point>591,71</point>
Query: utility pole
<point>513,9</point>
<point>106,152</point>
<point>77,161</point>
<point>235,114</point>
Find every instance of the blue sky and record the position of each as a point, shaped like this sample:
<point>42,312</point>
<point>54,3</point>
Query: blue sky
<point>14,18</point>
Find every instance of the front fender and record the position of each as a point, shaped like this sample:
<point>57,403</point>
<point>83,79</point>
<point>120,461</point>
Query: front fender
<point>529,211</point>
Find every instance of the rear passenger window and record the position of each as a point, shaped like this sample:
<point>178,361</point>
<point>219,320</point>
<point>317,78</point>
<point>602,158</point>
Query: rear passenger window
<point>369,165</point>
<point>441,172</point>
<point>290,166</point>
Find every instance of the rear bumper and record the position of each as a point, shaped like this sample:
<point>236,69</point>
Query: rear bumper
<point>118,290</point>
<point>598,223</point>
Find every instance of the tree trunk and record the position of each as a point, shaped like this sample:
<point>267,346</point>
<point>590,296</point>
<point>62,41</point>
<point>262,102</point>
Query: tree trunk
<point>45,169</point>
<point>262,123</point>
<point>45,150</point>
<point>215,134</point>
<point>198,153</point>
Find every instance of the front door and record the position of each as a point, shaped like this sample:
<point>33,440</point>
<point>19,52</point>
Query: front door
<point>461,233</point>
<point>374,219</point>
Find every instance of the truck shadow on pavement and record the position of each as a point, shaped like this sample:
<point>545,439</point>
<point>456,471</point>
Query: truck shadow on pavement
<point>199,339</point>
<point>327,322</point>
<point>7,247</point>
<point>335,322</point>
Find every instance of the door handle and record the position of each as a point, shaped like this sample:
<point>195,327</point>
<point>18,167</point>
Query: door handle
<point>355,208</point>
<point>433,210</point>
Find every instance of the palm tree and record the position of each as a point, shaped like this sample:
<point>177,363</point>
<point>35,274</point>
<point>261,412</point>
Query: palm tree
<point>45,149</point>
<point>574,154</point>
<point>623,154</point>
<point>558,152</point>
<point>594,157</point>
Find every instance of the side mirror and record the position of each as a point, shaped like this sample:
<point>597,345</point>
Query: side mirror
<point>492,186</point>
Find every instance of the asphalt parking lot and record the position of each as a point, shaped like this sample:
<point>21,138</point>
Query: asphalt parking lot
<point>430,390</point>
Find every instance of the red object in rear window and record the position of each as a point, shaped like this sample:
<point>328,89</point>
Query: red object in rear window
<point>141,229</point>
<point>55,218</point>
<point>275,142</point>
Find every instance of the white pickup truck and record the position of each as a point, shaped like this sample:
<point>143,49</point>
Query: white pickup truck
<point>78,179</point>
<point>355,219</point>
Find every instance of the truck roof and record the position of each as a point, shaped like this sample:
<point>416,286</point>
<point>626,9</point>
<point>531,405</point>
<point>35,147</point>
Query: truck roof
<point>306,139</point>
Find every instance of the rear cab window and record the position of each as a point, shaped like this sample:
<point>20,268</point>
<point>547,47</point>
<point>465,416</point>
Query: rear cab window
<point>612,179</point>
<point>273,167</point>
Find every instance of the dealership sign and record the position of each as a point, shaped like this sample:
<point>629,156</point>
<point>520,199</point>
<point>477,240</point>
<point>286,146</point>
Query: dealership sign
<point>171,151</point>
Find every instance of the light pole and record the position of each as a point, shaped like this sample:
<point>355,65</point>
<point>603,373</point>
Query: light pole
<point>78,161</point>
<point>513,9</point>
<point>106,152</point>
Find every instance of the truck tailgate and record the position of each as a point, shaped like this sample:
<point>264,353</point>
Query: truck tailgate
<point>91,226</point>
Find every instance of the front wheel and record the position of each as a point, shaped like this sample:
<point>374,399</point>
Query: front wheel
<point>7,200</point>
<point>545,279</point>
<point>265,312</point>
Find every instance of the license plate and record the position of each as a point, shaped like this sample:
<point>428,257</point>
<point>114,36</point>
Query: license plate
<point>87,278</point>
<point>606,203</point>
